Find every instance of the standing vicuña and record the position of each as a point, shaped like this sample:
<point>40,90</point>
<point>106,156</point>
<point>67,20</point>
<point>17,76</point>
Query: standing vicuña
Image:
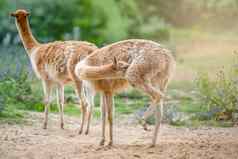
<point>54,64</point>
<point>144,64</point>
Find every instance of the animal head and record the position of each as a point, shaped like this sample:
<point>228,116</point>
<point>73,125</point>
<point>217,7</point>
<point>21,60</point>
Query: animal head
<point>114,70</point>
<point>119,67</point>
<point>20,14</point>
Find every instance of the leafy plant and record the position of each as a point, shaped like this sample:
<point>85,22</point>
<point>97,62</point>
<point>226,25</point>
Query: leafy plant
<point>15,84</point>
<point>220,94</point>
<point>155,28</point>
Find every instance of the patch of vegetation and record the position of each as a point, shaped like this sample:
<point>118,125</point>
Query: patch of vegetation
<point>189,106</point>
<point>100,22</point>
<point>127,105</point>
<point>220,94</point>
<point>15,91</point>
<point>11,115</point>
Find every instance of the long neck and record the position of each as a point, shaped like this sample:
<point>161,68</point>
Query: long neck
<point>25,33</point>
<point>97,72</point>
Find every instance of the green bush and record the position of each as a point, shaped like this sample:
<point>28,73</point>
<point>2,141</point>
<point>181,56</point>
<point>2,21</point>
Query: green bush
<point>154,28</point>
<point>14,81</point>
<point>2,103</point>
<point>100,22</point>
<point>15,89</point>
<point>220,94</point>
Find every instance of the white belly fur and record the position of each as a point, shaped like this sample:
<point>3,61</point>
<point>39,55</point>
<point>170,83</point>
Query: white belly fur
<point>33,58</point>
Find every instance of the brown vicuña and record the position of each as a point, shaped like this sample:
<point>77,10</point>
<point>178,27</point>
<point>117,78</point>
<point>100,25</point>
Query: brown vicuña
<point>143,64</point>
<point>54,64</point>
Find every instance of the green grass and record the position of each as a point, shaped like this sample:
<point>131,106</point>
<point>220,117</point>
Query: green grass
<point>181,85</point>
<point>204,62</point>
<point>128,105</point>
<point>198,33</point>
<point>125,103</point>
<point>195,123</point>
<point>11,115</point>
<point>193,56</point>
<point>198,51</point>
<point>189,106</point>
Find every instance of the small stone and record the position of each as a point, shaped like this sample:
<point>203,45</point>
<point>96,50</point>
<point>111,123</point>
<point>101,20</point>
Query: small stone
<point>137,156</point>
<point>6,138</point>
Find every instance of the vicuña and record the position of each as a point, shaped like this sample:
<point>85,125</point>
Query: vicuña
<point>54,64</point>
<point>143,64</point>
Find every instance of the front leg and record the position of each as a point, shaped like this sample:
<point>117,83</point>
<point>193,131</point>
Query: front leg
<point>83,107</point>
<point>47,88</point>
<point>89,94</point>
<point>109,101</point>
<point>103,114</point>
<point>60,101</point>
<point>79,92</point>
<point>158,117</point>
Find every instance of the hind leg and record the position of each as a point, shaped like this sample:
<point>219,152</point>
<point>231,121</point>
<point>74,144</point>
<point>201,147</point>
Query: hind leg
<point>159,83</point>
<point>47,88</point>
<point>83,104</point>
<point>138,79</point>
<point>155,99</point>
<point>60,102</point>
<point>89,94</point>
<point>103,115</point>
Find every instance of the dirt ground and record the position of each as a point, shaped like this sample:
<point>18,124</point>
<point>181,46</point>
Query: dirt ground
<point>30,141</point>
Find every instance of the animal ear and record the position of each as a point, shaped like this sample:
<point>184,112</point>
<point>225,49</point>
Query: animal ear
<point>27,13</point>
<point>13,14</point>
<point>125,65</point>
<point>115,62</point>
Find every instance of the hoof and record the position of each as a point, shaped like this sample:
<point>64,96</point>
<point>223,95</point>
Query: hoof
<point>86,132</point>
<point>62,125</point>
<point>44,126</point>
<point>151,146</point>
<point>144,124</point>
<point>146,128</point>
<point>80,132</point>
<point>102,142</point>
<point>110,143</point>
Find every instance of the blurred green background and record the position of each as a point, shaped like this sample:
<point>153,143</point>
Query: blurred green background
<point>201,34</point>
<point>108,21</point>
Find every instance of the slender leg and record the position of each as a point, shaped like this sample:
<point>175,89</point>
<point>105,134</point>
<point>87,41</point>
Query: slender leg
<point>47,88</point>
<point>109,99</point>
<point>155,95</point>
<point>149,111</point>
<point>89,114</point>
<point>158,118</point>
<point>103,114</point>
<point>162,85</point>
<point>90,98</point>
<point>60,101</point>
<point>82,104</point>
<point>83,111</point>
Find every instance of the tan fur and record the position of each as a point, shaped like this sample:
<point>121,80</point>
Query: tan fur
<point>54,63</point>
<point>144,64</point>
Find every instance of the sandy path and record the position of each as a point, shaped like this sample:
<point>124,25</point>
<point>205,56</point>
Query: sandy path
<point>29,141</point>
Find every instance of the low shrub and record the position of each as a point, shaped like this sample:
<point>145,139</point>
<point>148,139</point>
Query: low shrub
<point>156,29</point>
<point>15,90</point>
<point>220,94</point>
<point>15,81</point>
